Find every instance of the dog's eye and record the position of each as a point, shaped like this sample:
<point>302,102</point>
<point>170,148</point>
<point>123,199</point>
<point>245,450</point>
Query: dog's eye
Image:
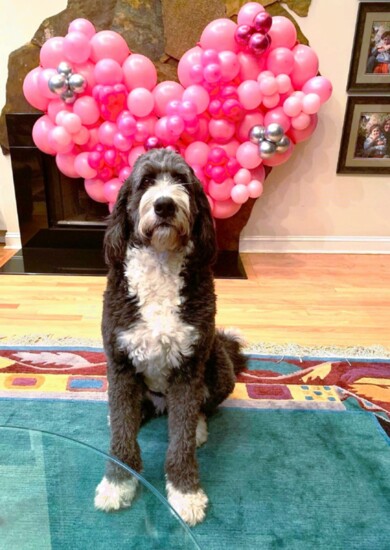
<point>146,181</point>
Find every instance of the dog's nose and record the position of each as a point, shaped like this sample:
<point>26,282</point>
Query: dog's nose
<point>164,207</point>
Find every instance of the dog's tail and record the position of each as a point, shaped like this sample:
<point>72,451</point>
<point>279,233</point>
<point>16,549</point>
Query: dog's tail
<point>233,344</point>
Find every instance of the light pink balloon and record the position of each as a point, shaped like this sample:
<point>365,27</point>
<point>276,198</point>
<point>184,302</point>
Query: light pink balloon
<point>258,173</point>
<point>229,64</point>
<point>109,45</point>
<point>284,83</point>
<point>248,12</point>
<point>95,189</point>
<point>279,116</point>
<point>187,61</point>
<point>198,96</point>
<point>82,166</point>
<point>40,134</point>
<point>219,35</point>
<point>71,122</point>
<point>305,65</point>
<point>220,191</point>
<point>248,155</point>
<point>108,72</point>
<point>55,106</point>
<point>249,94</point>
<point>268,85</point>
<point>82,137</point>
<point>225,209</point>
<point>164,93</point>
<point>135,153</point>
<point>124,173</point>
<point>279,158</point>
<point>318,85</point>
<point>240,193</point>
<point>255,188</point>
<point>139,72</point>
<point>87,109</point>
<point>43,83</point>
<point>292,106</point>
<point>302,135</point>
<point>52,52</point>
<point>32,92</point>
<point>271,101</point>
<point>111,189</point>
<point>311,104</point>
<point>221,130</point>
<point>82,25</point>
<point>249,120</point>
<point>65,164</point>
<point>140,102</point>
<point>242,177</point>
<point>60,140</point>
<point>282,33</point>
<point>300,122</point>
<point>77,48</point>
<point>280,61</point>
<point>107,131</point>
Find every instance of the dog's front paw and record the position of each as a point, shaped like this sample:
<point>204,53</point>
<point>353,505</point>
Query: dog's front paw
<point>191,507</point>
<point>113,496</point>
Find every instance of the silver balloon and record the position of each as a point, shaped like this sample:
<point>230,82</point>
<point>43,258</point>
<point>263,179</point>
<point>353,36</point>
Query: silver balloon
<point>256,134</point>
<point>58,84</point>
<point>64,68</point>
<point>282,145</point>
<point>274,132</point>
<point>267,149</point>
<point>77,83</point>
<point>68,97</point>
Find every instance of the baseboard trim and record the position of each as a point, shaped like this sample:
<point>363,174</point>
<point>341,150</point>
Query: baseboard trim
<point>317,245</point>
<point>13,240</point>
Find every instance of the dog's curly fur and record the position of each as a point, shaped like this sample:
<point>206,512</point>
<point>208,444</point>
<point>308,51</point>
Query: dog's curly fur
<point>163,350</point>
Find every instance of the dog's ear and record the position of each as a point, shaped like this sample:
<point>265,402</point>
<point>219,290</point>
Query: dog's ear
<point>119,227</point>
<point>204,236</point>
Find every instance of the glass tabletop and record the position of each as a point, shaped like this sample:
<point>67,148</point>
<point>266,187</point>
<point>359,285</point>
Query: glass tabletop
<point>47,488</point>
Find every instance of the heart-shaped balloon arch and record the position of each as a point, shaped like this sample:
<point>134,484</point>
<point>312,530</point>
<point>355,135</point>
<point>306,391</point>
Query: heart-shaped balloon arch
<point>248,93</point>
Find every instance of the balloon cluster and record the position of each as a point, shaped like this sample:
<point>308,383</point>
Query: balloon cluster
<point>245,96</point>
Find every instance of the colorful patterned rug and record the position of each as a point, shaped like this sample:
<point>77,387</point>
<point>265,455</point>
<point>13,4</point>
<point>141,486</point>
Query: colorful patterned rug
<point>297,457</point>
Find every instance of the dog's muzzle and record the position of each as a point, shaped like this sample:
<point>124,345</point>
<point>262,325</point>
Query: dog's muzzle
<point>164,207</point>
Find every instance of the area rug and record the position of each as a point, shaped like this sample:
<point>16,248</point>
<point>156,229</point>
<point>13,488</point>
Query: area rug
<point>297,457</point>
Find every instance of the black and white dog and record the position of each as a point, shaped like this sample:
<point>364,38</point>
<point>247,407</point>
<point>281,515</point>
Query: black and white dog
<point>163,351</point>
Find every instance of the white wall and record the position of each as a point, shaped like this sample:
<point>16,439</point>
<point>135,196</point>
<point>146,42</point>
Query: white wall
<point>305,205</point>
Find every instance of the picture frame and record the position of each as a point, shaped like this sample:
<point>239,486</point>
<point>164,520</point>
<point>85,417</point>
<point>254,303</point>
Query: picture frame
<point>370,53</point>
<point>365,141</point>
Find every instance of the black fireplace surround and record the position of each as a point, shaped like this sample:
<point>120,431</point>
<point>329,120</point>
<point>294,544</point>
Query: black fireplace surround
<point>61,228</point>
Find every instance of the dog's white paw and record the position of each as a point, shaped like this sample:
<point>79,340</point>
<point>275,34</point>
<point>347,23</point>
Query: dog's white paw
<point>201,431</point>
<point>191,507</point>
<point>113,496</point>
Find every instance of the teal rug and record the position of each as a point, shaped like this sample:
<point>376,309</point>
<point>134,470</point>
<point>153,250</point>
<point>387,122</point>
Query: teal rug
<point>277,477</point>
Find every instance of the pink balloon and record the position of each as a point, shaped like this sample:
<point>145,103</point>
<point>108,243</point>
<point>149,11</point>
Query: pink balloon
<point>220,191</point>
<point>71,122</point>
<point>140,102</point>
<point>268,85</point>
<point>111,189</point>
<point>139,72</point>
<point>248,12</point>
<point>242,177</point>
<point>82,167</point>
<point>249,94</point>
<point>250,120</point>
<point>82,25</point>
<point>271,101</point>
<point>258,173</point>
<point>190,59</point>
<point>280,61</point>
<point>219,35</point>
<point>292,106</point>
<point>65,164</point>
<point>87,71</point>
<point>164,93</point>
<point>55,106</point>
<point>122,143</point>
<point>52,52</point>
<point>108,72</point>
<point>109,45</point>
<point>32,92</point>
<point>221,130</point>
<point>145,128</point>
<point>95,189</point>
<point>318,85</point>
<point>302,135</point>
<point>40,134</point>
<point>279,158</point>
<point>277,115</point>
<point>198,96</point>
<point>229,65</point>
<point>250,66</point>
<point>300,122</point>
<point>87,109</point>
<point>77,48</point>
<point>60,140</point>
<point>305,65</point>
<point>43,83</point>
<point>164,133</point>
<point>240,194</point>
<point>124,173</point>
<point>135,153</point>
<point>284,83</point>
<point>82,137</point>
<point>255,188</point>
<point>248,155</point>
<point>282,33</point>
<point>225,209</point>
<point>107,132</point>
<point>230,147</point>
<point>311,104</point>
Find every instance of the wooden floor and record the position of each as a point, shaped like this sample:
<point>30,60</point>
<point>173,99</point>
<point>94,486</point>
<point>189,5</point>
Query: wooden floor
<point>312,300</point>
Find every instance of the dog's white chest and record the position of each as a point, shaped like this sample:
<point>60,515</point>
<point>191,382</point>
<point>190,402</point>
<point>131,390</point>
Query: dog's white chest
<point>157,341</point>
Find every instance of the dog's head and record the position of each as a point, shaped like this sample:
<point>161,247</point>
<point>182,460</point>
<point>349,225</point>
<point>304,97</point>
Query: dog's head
<point>161,205</point>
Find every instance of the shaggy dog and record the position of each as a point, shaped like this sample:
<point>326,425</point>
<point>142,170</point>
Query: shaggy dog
<point>163,351</point>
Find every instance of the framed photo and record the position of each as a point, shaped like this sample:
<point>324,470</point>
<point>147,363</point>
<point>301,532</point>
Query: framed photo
<point>370,64</point>
<point>365,141</point>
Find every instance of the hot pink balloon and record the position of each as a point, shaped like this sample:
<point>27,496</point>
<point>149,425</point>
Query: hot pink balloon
<point>139,72</point>
<point>65,164</point>
<point>198,96</point>
<point>248,155</point>
<point>82,166</point>
<point>111,189</point>
<point>302,135</point>
<point>220,191</point>
<point>164,93</point>
<point>240,194</point>
<point>279,158</point>
<point>190,59</point>
<point>225,209</point>
<point>87,109</point>
<point>95,189</point>
<point>32,91</point>
<point>318,85</point>
<point>305,65</point>
<point>108,72</point>
<point>82,25</point>
<point>140,102</point>
<point>40,134</point>
<point>77,48</point>
<point>280,61</point>
<point>52,52</point>
<point>282,33</point>
<point>219,35</point>
<point>248,12</point>
<point>109,45</point>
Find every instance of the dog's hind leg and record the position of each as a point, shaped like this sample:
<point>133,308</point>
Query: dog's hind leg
<point>118,487</point>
